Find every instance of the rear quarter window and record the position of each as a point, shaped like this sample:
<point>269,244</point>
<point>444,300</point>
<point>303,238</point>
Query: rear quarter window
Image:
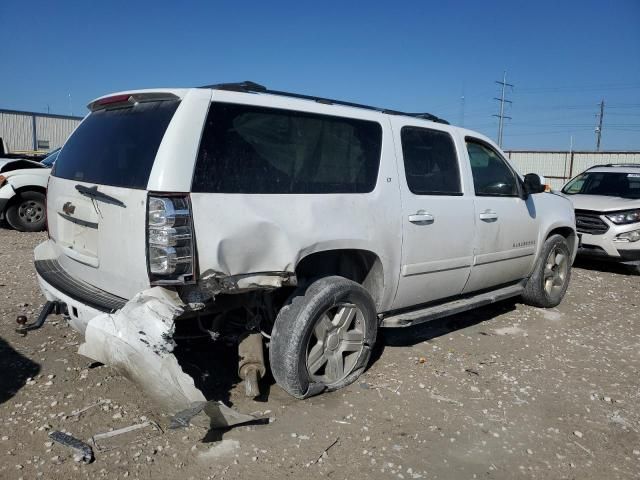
<point>117,146</point>
<point>249,149</point>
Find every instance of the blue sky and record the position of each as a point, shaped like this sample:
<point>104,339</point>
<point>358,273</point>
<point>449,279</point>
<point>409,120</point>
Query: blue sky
<point>562,56</point>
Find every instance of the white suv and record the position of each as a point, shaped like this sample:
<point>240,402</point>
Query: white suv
<point>607,203</point>
<point>308,221</point>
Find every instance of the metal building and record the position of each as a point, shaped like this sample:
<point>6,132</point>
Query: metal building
<point>31,131</point>
<point>560,166</point>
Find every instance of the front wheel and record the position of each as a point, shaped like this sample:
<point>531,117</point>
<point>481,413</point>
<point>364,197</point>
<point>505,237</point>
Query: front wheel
<point>322,339</point>
<point>27,212</point>
<point>550,278</point>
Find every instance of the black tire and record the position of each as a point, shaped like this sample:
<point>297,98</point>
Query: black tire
<point>295,339</point>
<point>548,271</point>
<point>27,212</point>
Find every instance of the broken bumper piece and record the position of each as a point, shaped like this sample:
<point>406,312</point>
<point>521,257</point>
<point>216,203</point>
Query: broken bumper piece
<point>137,342</point>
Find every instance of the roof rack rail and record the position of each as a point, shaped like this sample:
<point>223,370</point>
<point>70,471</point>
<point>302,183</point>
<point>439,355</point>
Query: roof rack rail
<point>634,165</point>
<point>252,87</point>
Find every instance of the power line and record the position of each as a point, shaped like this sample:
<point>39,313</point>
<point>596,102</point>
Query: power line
<point>547,124</point>
<point>501,116</point>
<point>535,91</point>
<point>627,105</point>
<point>550,132</point>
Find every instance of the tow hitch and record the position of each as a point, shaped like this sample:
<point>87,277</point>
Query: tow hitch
<point>49,308</point>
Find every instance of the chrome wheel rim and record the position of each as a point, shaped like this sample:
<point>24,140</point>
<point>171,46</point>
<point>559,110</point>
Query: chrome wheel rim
<point>31,211</point>
<point>555,271</point>
<point>336,343</point>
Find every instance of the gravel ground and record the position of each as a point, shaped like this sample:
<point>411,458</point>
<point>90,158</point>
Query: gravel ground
<point>503,392</point>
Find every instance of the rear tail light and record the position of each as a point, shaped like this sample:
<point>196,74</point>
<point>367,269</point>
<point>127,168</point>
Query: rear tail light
<point>170,246</point>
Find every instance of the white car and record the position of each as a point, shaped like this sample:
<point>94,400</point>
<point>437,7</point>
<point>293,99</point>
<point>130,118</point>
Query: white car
<point>607,203</point>
<point>23,186</point>
<point>301,221</point>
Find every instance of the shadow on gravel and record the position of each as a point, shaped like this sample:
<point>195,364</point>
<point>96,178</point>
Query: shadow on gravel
<point>214,367</point>
<point>15,369</point>
<point>408,336</point>
<point>601,266</point>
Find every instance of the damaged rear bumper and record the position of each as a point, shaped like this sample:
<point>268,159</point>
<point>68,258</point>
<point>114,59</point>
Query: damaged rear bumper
<point>135,337</point>
<point>79,313</point>
<point>137,341</point>
<point>51,272</point>
<point>83,301</point>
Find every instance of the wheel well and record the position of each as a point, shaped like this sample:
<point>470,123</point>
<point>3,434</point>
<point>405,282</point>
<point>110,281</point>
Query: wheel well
<point>28,188</point>
<point>566,232</point>
<point>31,188</point>
<point>361,266</point>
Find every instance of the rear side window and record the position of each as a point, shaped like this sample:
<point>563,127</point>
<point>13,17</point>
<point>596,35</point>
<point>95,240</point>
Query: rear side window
<point>116,147</point>
<point>249,149</point>
<point>430,162</point>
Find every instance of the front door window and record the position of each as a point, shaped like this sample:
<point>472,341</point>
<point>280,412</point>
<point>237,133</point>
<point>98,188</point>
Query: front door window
<point>491,175</point>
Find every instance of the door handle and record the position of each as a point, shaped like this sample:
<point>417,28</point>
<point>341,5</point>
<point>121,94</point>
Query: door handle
<point>421,218</point>
<point>489,216</point>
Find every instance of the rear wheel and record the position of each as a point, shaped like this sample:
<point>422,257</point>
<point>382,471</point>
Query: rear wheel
<point>548,283</point>
<point>322,339</point>
<point>27,212</point>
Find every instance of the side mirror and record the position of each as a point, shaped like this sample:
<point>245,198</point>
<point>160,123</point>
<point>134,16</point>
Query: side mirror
<point>533,183</point>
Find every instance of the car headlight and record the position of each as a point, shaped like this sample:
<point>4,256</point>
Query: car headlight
<point>621,218</point>
<point>632,236</point>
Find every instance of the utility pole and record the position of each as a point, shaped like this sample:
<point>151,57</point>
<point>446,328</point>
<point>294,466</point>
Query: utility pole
<point>599,127</point>
<point>502,101</point>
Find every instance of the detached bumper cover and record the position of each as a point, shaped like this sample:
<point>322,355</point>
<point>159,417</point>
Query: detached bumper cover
<point>52,273</point>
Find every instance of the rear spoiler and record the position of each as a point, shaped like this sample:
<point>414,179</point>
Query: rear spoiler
<point>129,99</point>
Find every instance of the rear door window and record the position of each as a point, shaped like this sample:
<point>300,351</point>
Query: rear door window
<point>430,162</point>
<point>249,149</point>
<point>117,146</point>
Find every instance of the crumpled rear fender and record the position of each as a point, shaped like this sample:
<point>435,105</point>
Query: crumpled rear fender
<point>253,241</point>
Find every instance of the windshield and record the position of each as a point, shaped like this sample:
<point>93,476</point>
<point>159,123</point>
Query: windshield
<point>610,184</point>
<point>50,159</point>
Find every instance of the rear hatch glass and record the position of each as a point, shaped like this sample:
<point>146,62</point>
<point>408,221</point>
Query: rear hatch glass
<point>96,200</point>
<point>116,147</point>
